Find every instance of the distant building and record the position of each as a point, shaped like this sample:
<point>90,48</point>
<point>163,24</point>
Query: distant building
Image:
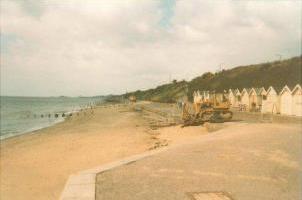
<point>297,100</point>
<point>237,97</point>
<point>232,97</point>
<point>274,100</point>
<point>219,97</point>
<point>206,95</point>
<point>271,104</point>
<point>197,97</point>
<point>255,98</point>
<point>132,99</point>
<point>245,99</point>
<point>286,101</point>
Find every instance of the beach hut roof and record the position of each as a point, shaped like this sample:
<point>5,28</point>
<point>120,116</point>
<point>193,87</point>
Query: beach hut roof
<point>296,88</point>
<point>237,92</point>
<point>270,89</point>
<point>258,91</point>
<point>263,91</point>
<point>285,88</point>
<point>276,89</point>
<point>247,90</point>
<point>232,91</point>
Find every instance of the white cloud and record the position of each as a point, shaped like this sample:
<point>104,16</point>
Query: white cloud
<point>101,47</point>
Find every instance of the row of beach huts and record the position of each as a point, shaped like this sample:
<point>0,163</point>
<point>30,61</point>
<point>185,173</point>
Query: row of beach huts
<point>284,101</point>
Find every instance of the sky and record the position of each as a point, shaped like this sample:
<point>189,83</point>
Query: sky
<point>100,47</point>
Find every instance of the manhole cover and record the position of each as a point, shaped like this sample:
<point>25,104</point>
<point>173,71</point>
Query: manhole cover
<point>210,196</point>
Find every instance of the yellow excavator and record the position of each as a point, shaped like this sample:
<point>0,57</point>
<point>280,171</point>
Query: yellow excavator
<point>209,109</point>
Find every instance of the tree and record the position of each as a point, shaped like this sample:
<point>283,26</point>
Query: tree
<point>207,75</point>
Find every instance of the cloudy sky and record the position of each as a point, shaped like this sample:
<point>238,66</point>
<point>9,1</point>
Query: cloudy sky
<point>97,47</point>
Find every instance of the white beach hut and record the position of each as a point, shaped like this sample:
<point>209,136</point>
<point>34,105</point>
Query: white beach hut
<point>286,101</point>
<point>245,100</point>
<point>297,100</point>
<point>206,95</point>
<point>255,98</point>
<point>263,97</point>
<point>271,104</point>
<point>197,96</point>
<point>237,98</point>
<point>232,97</point>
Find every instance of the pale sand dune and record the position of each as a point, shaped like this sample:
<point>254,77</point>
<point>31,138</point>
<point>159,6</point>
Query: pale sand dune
<point>36,166</point>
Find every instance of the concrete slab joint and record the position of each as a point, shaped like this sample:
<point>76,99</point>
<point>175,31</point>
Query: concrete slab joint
<point>81,186</point>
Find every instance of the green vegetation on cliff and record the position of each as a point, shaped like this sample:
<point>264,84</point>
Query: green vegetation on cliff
<point>167,93</point>
<point>277,74</point>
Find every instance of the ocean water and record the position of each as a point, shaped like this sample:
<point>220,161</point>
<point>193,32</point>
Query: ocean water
<point>20,115</point>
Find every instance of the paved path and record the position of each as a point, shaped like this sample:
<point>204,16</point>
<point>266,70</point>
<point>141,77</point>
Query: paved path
<point>245,161</point>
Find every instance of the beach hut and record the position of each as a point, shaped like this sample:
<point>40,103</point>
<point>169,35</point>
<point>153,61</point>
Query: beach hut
<point>232,97</point>
<point>255,98</point>
<point>219,97</point>
<point>206,95</point>
<point>245,99</point>
<point>196,96</point>
<point>237,98</point>
<point>271,103</point>
<point>212,95</point>
<point>286,101</point>
<point>297,100</point>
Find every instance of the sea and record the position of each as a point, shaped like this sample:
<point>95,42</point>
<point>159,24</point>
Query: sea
<point>20,115</point>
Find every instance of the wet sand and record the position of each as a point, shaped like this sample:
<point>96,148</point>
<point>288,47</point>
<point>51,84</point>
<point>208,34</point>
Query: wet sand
<point>37,165</point>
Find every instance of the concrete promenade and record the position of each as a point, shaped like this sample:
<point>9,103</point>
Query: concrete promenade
<point>244,161</point>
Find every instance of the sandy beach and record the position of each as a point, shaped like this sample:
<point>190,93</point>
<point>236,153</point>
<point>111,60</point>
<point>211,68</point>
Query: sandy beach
<point>36,165</point>
<point>150,100</point>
